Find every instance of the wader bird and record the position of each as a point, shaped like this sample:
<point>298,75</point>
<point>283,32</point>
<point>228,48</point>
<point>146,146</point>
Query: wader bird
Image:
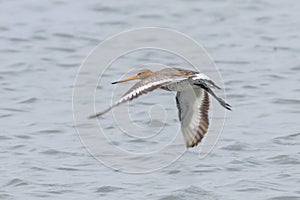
<point>192,97</point>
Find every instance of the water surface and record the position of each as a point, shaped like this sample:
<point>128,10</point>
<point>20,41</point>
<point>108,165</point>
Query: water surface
<point>256,47</point>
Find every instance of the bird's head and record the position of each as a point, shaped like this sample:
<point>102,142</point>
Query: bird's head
<point>142,74</point>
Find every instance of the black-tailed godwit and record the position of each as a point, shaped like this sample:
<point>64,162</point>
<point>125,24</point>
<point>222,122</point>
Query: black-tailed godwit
<point>192,97</point>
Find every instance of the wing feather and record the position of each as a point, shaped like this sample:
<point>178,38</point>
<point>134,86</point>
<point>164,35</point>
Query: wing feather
<point>193,106</point>
<point>142,87</point>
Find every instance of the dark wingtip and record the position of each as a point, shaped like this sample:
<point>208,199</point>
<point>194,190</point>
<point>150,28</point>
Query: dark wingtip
<point>92,116</point>
<point>225,105</point>
<point>228,107</point>
<point>95,116</point>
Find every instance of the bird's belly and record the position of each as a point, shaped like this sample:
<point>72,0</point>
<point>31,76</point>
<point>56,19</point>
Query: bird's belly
<point>179,86</point>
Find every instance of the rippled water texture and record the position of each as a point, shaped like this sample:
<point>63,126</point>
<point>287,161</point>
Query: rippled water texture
<point>256,46</point>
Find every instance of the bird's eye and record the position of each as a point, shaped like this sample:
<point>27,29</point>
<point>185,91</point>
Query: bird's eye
<point>139,74</point>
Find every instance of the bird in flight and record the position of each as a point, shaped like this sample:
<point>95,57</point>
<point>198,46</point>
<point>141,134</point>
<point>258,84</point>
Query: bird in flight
<point>192,98</point>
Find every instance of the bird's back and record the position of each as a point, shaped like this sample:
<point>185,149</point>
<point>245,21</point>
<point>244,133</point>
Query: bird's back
<point>175,72</point>
<point>182,75</point>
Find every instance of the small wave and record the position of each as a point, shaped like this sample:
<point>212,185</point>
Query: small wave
<point>16,182</point>
<point>286,101</point>
<point>29,100</point>
<point>107,189</point>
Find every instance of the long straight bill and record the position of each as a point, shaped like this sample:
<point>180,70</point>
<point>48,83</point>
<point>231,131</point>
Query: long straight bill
<point>126,79</point>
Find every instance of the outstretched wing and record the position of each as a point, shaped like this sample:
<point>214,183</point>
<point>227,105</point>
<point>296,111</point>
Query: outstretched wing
<point>193,106</point>
<point>207,84</point>
<point>146,85</point>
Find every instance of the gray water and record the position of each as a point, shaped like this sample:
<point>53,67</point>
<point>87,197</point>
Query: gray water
<point>256,45</point>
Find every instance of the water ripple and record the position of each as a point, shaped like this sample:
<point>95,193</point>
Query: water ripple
<point>107,189</point>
